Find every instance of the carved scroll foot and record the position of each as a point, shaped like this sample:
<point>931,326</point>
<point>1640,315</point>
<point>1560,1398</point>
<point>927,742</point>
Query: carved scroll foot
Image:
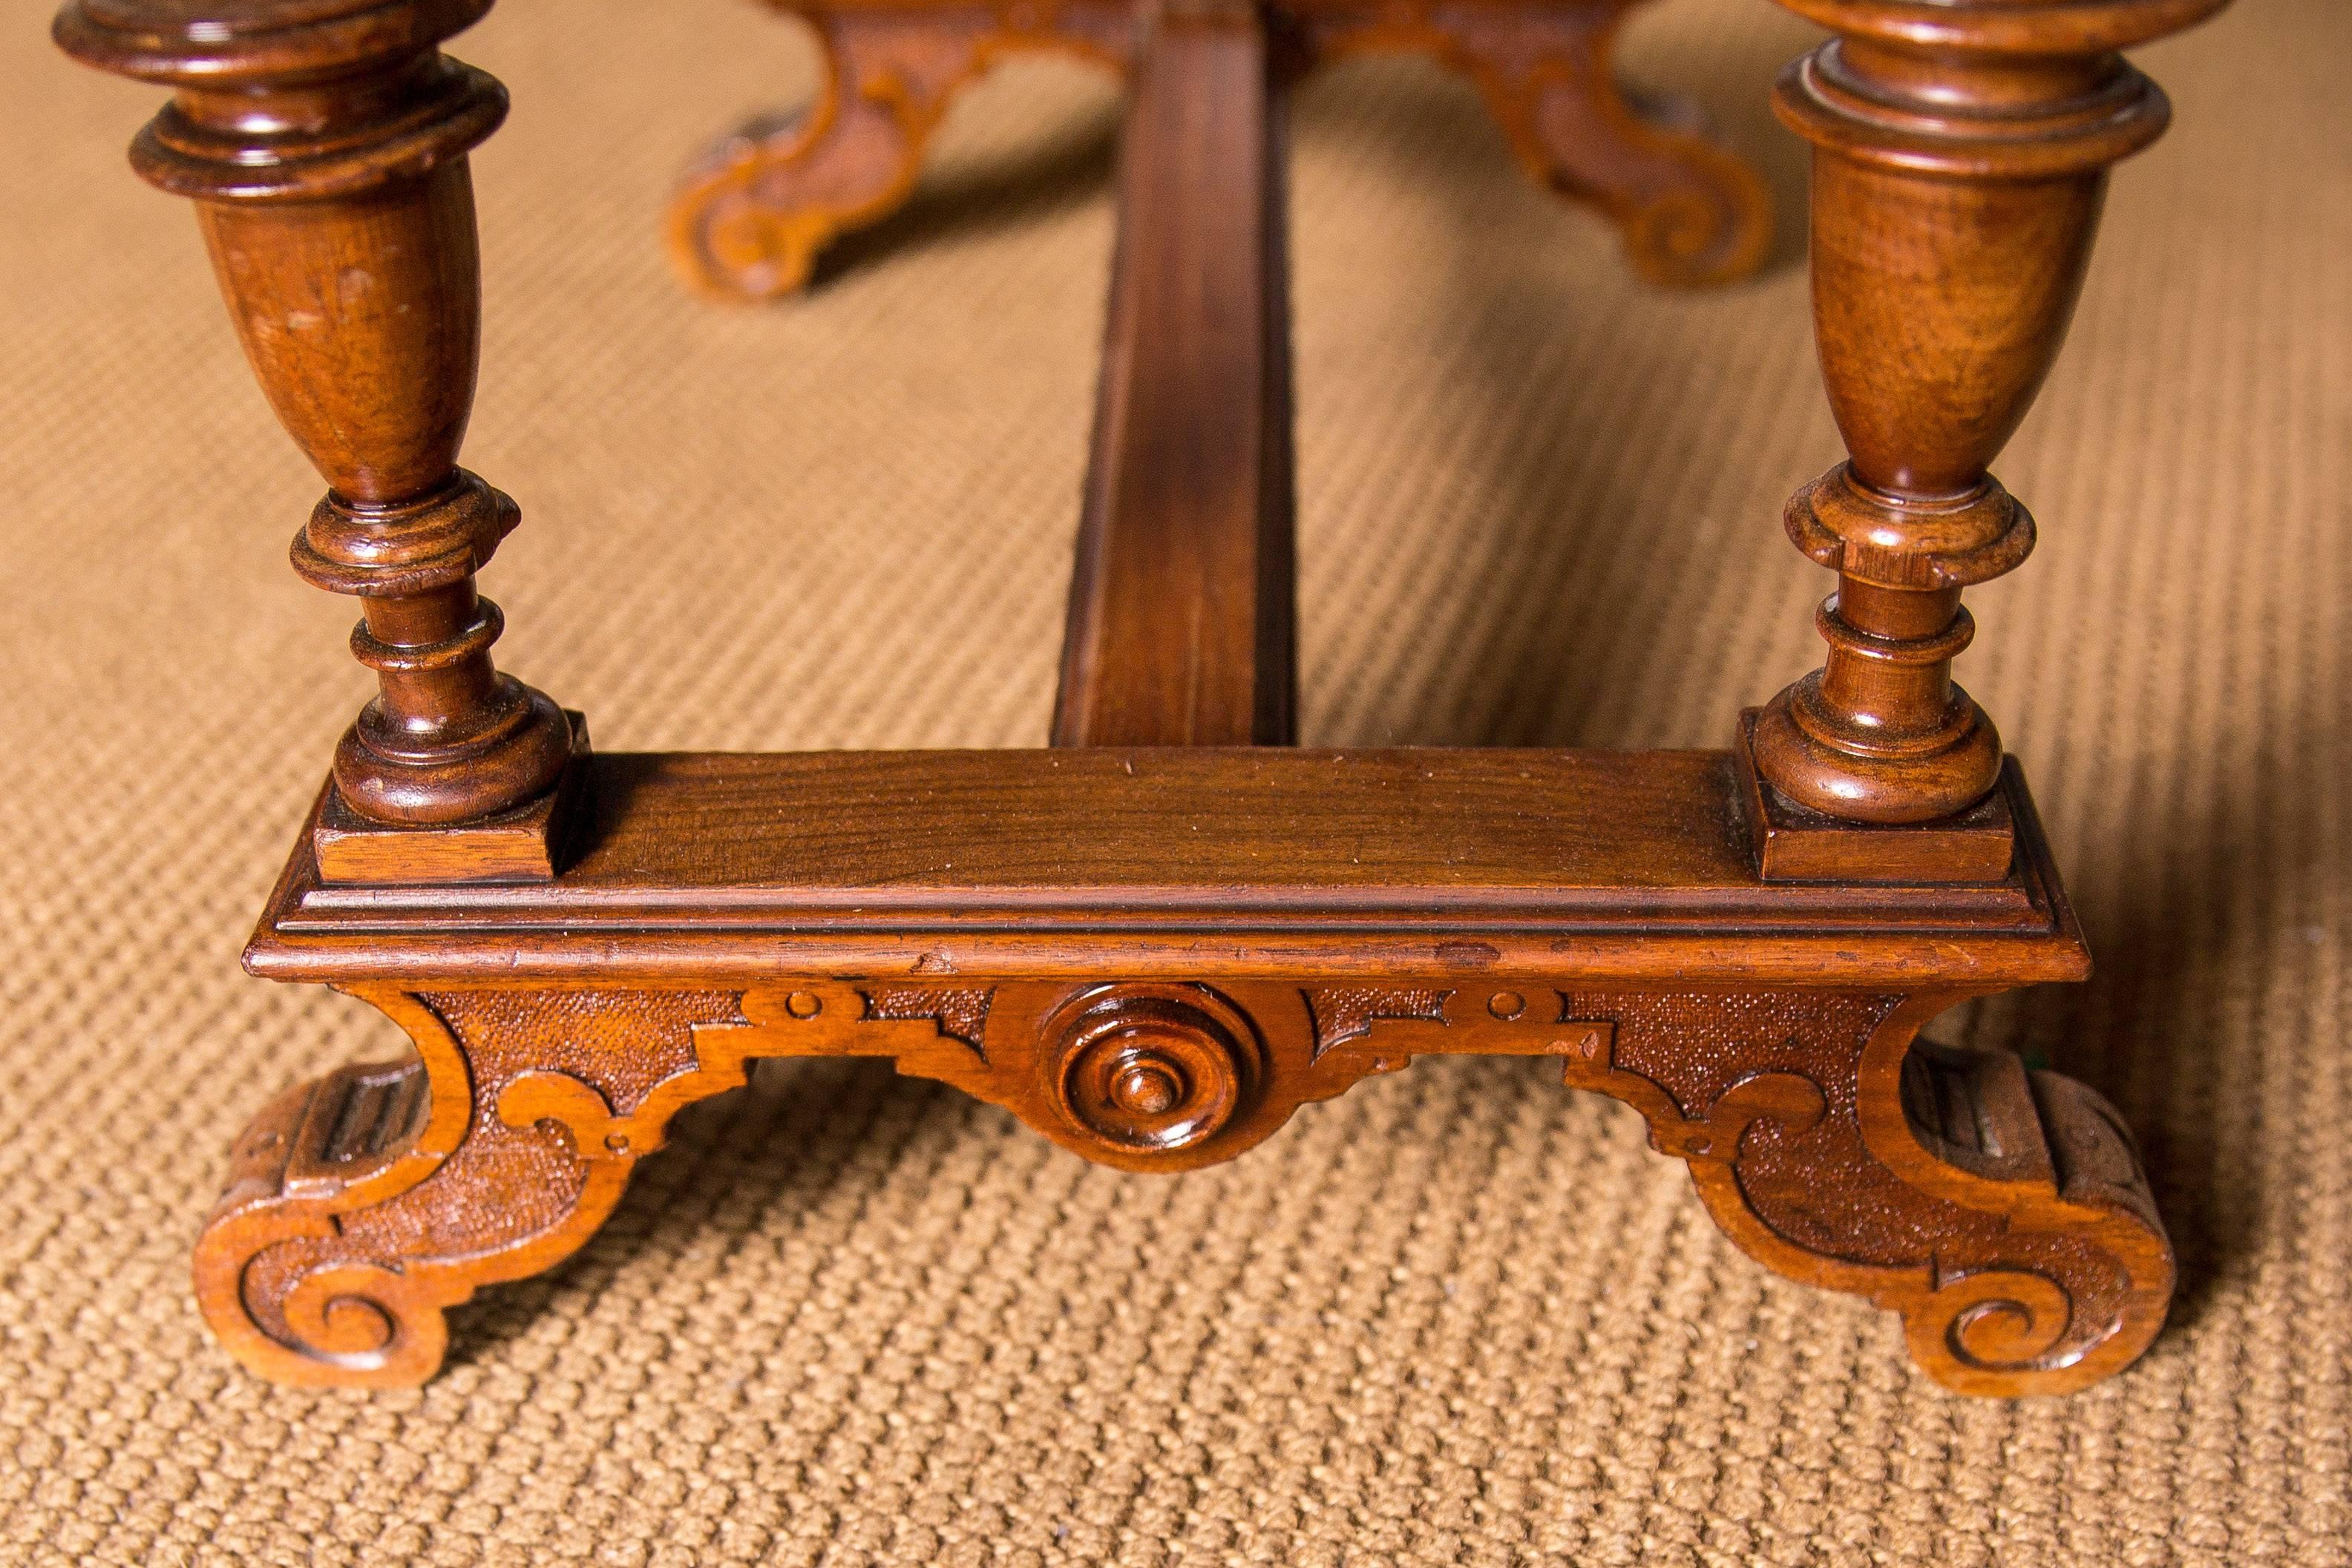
<point>361,1205</point>
<point>1692,214</point>
<point>755,211</point>
<point>2001,1212</point>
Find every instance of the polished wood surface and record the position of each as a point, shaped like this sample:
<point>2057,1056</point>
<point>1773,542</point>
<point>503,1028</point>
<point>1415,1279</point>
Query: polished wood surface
<point>1960,157</point>
<point>2003,1214</point>
<point>1181,617</point>
<point>1202,862</point>
<point>1795,843</point>
<point>1158,941</point>
<point>324,145</point>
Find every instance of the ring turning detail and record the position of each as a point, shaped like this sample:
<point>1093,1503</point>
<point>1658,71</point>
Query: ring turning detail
<point>1156,939</point>
<point>1152,1068</point>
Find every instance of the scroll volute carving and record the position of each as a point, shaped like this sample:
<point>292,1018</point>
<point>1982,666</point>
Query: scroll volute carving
<point>2003,1214</point>
<point>1155,1069</point>
<point>1147,1075</point>
<point>1140,1075</point>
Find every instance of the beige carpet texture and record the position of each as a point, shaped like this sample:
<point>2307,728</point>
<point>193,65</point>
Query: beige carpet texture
<point>1462,1315</point>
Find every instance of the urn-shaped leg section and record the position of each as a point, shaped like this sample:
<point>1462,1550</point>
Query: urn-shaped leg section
<point>1959,166</point>
<point>326,152</point>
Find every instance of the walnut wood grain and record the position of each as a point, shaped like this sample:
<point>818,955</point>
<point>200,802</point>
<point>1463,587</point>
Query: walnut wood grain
<point>1193,863</point>
<point>1960,158</point>
<point>1155,955</point>
<point>1796,844</point>
<point>755,212</point>
<point>324,145</point>
<point>525,844</point>
<point>2003,1215</point>
<point>1181,608</point>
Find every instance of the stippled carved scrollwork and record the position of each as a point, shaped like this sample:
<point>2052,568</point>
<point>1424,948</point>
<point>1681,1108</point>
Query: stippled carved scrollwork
<point>1691,213</point>
<point>2001,1213</point>
<point>1139,1074</point>
<point>752,215</point>
<point>959,1011</point>
<point>362,1206</point>
<point>1344,1013</point>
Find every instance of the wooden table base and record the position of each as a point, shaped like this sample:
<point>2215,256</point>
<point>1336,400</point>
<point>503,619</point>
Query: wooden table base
<point>756,212</point>
<point>1158,940</point>
<point>1153,957</point>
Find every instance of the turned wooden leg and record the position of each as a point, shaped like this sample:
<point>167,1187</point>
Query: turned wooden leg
<point>325,148</point>
<point>1959,162</point>
<point>1691,213</point>
<point>755,211</point>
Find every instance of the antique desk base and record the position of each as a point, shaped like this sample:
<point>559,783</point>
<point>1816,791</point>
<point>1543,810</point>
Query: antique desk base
<point>1156,941</point>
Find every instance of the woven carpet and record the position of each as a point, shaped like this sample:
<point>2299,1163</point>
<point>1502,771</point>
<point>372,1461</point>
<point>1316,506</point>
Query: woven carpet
<point>1460,1315</point>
